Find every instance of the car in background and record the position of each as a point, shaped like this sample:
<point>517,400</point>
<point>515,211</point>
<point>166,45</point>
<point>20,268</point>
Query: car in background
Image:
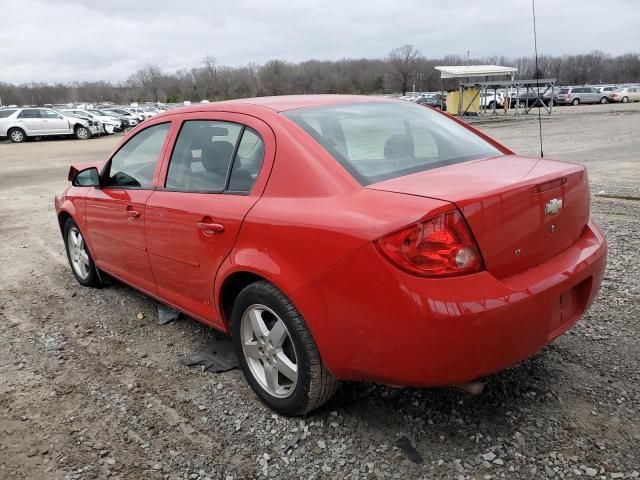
<point>434,101</point>
<point>127,121</point>
<point>23,123</point>
<point>607,89</point>
<point>531,99</point>
<point>492,99</point>
<point>109,124</point>
<point>122,121</point>
<point>418,251</point>
<point>577,95</point>
<point>141,112</point>
<point>625,95</point>
<point>125,112</point>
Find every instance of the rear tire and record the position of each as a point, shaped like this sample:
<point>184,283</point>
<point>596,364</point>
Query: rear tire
<point>17,135</point>
<point>300,382</point>
<point>79,257</point>
<point>575,102</point>
<point>82,133</point>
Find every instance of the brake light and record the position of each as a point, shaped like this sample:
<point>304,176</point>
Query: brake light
<point>614,94</point>
<point>441,246</point>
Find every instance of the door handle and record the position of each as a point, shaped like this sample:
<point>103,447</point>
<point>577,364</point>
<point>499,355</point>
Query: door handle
<point>210,229</point>
<point>131,213</point>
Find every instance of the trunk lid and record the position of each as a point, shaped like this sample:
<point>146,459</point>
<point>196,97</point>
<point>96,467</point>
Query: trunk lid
<point>522,211</point>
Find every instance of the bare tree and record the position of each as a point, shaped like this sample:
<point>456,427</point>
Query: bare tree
<point>362,76</point>
<point>148,79</point>
<point>403,62</point>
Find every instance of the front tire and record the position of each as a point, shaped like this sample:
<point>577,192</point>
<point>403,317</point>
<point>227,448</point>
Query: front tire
<point>17,135</point>
<point>82,132</point>
<point>604,100</point>
<point>79,257</point>
<point>625,99</point>
<point>277,353</point>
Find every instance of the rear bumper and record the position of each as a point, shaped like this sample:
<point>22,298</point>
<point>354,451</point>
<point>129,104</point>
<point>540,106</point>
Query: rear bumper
<point>373,322</point>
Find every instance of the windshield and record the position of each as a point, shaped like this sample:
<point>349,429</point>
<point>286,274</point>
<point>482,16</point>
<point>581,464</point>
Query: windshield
<point>564,90</point>
<point>98,113</point>
<point>379,141</point>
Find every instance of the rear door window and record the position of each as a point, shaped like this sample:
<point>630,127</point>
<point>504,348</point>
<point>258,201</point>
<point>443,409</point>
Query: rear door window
<point>30,113</point>
<point>215,157</point>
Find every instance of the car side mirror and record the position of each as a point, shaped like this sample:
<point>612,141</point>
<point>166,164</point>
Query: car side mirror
<point>89,177</point>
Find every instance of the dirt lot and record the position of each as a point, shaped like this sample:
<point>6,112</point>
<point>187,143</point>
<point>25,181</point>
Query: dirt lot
<point>88,390</point>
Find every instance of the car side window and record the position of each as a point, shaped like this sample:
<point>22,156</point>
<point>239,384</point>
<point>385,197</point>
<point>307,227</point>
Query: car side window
<point>133,165</point>
<point>50,114</point>
<point>247,162</point>
<point>202,156</point>
<point>29,113</point>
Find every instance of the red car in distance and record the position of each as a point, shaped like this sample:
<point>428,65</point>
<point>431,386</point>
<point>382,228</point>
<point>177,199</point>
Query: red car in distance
<point>340,238</point>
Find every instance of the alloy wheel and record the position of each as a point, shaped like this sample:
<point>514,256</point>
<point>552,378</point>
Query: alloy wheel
<point>17,136</point>
<point>269,351</point>
<point>78,253</point>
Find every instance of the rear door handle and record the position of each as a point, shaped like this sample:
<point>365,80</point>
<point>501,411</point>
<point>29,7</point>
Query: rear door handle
<point>210,229</point>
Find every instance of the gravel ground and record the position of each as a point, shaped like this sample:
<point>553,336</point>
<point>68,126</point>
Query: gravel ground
<point>91,386</point>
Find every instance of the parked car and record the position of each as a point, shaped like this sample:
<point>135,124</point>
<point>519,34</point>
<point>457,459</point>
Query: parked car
<point>122,121</point>
<point>436,101</point>
<point>531,99</point>
<point>380,241</point>
<point>606,89</point>
<point>125,112</point>
<point>625,95</point>
<point>127,120</point>
<point>109,124</point>
<point>578,95</point>
<point>492,99</point>
<point>23,123</point>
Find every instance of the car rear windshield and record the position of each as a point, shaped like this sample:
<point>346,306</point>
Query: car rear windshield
<point>378,141</point>
<point>564,90</point>
<point>6,113</point>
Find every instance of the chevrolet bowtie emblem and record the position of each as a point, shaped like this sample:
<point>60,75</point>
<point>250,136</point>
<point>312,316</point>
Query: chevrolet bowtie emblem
<point>553,206</point>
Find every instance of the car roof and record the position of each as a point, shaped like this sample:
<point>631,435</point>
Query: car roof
<point>283,103</point>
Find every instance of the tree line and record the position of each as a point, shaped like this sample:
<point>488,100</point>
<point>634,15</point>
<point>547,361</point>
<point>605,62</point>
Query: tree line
<point>402,70</point>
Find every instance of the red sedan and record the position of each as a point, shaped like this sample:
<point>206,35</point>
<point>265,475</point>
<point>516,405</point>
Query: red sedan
<point>340,238</point>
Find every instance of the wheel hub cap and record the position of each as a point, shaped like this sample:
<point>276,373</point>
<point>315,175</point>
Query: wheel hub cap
<point>269,351</point>
<point>78,253</point>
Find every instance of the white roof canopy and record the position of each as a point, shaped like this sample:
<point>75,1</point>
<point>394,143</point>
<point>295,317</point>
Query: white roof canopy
<point>463,71</point>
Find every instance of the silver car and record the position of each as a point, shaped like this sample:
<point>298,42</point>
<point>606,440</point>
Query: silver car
<point>109,124</point>
<point>625,95</point>
<point>18,124</point>
<point>578,95</point>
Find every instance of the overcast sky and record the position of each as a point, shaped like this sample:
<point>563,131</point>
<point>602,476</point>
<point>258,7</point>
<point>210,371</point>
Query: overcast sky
<point>67,40</point>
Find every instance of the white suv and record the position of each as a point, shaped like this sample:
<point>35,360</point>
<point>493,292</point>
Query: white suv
<point>20,123</point>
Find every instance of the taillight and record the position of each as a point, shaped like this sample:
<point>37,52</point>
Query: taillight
<point>441,246</point>
<point>614,94</point>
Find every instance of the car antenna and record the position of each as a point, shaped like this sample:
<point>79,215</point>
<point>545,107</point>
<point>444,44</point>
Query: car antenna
<point>535,47</point>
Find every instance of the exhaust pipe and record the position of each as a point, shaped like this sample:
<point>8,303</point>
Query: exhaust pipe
<point>474,388</point>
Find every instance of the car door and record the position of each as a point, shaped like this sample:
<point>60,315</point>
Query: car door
<point>193,219</point>
<point>115,213</point>
<point>53,123</point>
<point>30,121</point>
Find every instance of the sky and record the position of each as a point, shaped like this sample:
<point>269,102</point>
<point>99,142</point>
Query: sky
<point>86,40</point>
